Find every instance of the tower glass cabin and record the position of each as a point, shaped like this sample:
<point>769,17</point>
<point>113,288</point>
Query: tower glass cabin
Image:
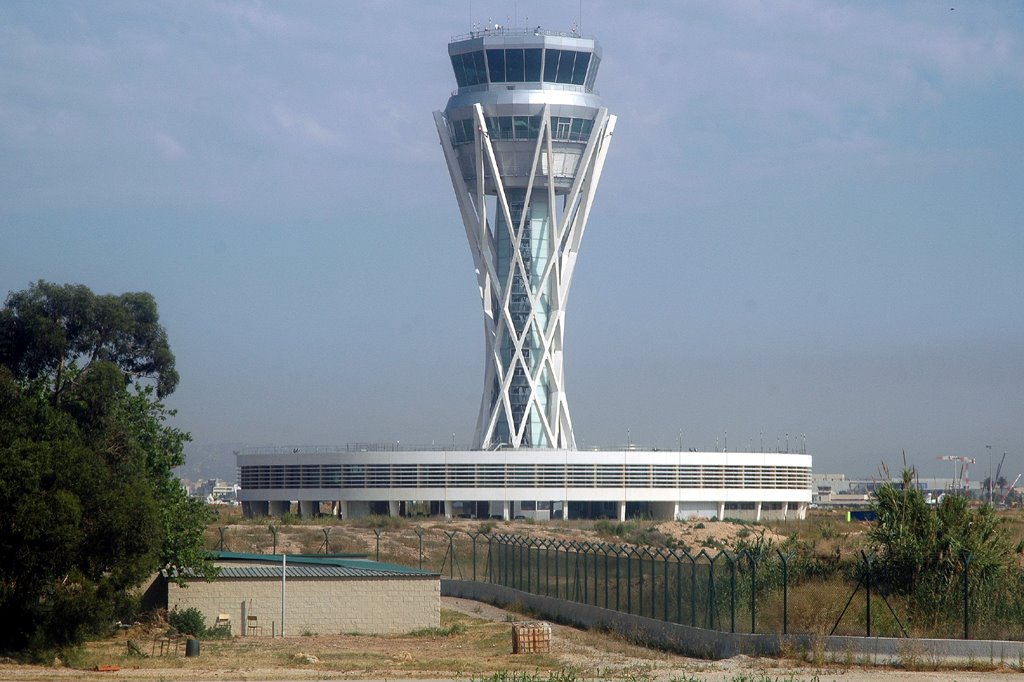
<point>525,138</point>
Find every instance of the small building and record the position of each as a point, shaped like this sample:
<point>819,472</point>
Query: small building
<point>265,594</point>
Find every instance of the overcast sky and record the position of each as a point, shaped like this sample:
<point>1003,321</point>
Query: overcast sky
<point>810,220</point>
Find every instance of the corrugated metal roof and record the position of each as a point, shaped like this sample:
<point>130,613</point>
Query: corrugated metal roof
<point>306,572</point>
<point>268,566</point>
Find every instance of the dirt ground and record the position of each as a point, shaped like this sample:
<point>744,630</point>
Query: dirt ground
<point>478,649</point>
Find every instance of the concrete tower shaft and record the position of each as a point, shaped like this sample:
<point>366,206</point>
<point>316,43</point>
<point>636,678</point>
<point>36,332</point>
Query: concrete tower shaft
<point>525,138</point>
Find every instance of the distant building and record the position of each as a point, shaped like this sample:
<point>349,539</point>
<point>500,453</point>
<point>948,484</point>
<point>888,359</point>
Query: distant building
<point>837,490</point>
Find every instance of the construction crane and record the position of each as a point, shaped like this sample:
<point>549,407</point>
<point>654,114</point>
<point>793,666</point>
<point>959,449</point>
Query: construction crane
<point>1009,490</point>
<point>992,482</point>
<point>965,463</point>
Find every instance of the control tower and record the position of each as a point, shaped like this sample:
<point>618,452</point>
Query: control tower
<point>525,138</point>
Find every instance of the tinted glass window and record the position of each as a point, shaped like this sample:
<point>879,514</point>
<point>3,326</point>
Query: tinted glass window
<point>514,66</point>
<point>579,72</point>
<point>532,59</point>
<point>535,126</point>
<point>496,65</point>
<point>521,124</point>
<point>551,64</point>
<point>595,62</point>
<point>473,63</point>
<point>565,64</point>
<point>505,127</point>
<point>460,74</point>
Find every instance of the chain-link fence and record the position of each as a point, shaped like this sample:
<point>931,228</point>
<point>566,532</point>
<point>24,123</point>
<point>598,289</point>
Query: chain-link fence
<point>760,588</point>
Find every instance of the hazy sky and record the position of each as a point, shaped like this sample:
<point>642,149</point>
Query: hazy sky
<point>809,220</point>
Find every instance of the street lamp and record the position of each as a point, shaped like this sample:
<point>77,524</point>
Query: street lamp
<point>989,448</point>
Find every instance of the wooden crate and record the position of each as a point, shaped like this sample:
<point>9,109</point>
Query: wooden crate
<point>531,637</point>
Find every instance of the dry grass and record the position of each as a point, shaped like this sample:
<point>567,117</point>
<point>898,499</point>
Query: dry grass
<point>480,647</point>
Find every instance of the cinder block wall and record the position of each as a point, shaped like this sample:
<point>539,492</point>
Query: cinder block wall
<point>318,605</point>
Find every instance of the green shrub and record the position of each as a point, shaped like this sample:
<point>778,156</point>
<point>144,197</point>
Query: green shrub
<point>188,622</point>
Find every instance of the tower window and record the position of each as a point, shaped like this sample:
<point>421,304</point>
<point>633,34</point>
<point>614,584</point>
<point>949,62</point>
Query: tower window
<point>565,66</point>
<point>579,71</point>
<point>515,68</point>
<point>551,64</point>
<point>496,65</point>
<point>533,59</point>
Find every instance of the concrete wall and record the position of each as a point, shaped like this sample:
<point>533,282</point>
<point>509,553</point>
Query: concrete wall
<point>319,606</point>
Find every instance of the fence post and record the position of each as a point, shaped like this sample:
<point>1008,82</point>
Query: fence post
<point>867,584</point>
<point>679,584</point>
<point>451,551</point>
<point>664,580</point>
<point>753,591</point>
<point>618,577</point>
<point>640,592</point>
<point>273,531</point>
<point>965,559</point>
<point>327,540</point>
<point>604,549</point>
<point>784,558</point>
<point>473,537</point>
<point>557,544</point>
<point>376,531</point>
<point>585,548</point>
<point>489,572</point>
<point>732,590</point>
<point>627,552</point>
<point>653,581</point>
<point>712,592</point>
<point>220,546</point>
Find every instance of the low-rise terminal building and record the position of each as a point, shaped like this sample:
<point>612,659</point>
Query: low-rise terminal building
<point>526,483</point>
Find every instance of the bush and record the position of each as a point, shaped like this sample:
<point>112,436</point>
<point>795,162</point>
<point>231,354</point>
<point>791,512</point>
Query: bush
<point>188,622</point>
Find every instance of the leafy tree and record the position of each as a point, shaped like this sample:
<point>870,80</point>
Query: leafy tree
<point>89,506</point>
<point>922,546</point>
<point>61,332</point>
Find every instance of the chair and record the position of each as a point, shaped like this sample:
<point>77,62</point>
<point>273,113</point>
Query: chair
<point>253,626</point>
<point>223,621</point>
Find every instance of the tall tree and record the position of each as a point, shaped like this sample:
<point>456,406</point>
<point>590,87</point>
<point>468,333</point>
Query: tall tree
<point>89,505</point>
<point>61,332</point>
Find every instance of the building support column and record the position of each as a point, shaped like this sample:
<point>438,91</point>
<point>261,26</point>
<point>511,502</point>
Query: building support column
<point>448,509</point>
<point>785,511</point>
<point>757,512</point>
<point>392,508</point>
<point>309,508</point>
<point>278,507</point>
<point>505,513</point>
<point>721,510</point>
<point>675,511</point>
<point>801,510</point>
<point>620,511</point>
<point>565,510</point>
<point>343,509</point>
